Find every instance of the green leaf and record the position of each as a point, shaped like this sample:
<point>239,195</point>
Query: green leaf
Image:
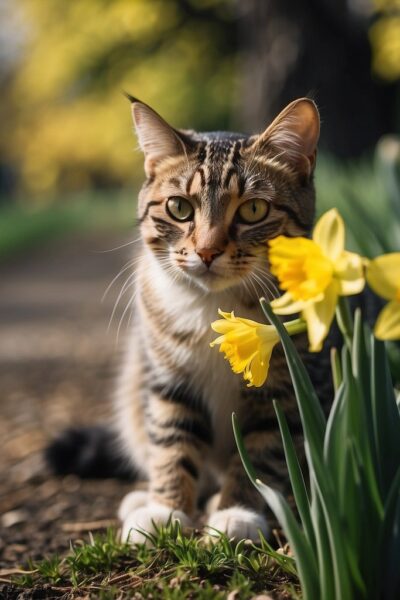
<point>334,527</point>
<point>385,416</point>
<point>360,361</point>
<point>314,426</point>
<point>334,449</point>
<point>356,428</point>
<point>324,556</point>
<point>336,369</point>
<point>304,556</point>
<point>296,476</point>
<point>389,545</point>
<point>311,413</point>
<point>305,559</point>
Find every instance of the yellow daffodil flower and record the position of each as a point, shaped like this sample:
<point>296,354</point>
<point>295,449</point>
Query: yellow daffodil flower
<point>248,345</point>
<point>314,273</point>
<point>383,275</point>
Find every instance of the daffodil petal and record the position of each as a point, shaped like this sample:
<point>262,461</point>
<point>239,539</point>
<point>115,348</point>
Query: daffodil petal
<point>329,234</point>
<point>285,305</point>
<point>232,318</point>
<point>350,273</point>
<point>288,248</point>
<point>319,317</point>
<point>387,326</point>
<point>258,371</point>
<point>383,275</point>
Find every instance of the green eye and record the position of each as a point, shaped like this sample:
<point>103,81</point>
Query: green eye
<point>180,209</point>
<point>253,210</point>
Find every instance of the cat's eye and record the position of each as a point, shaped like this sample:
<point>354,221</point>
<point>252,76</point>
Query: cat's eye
<point>179,208</point>
<point>253,210</point>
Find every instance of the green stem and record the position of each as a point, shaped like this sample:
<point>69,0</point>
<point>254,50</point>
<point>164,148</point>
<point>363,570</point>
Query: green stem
<point>345,320</point>
<point>292,327</point>
<point>336,369</point>
<point>296,326</point>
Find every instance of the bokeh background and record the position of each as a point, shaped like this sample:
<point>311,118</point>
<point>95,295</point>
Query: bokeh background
<point>225,64</point>
<point>70,171</point>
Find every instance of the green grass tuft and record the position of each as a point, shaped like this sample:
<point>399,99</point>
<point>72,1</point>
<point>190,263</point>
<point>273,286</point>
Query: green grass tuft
<point>174,566</point>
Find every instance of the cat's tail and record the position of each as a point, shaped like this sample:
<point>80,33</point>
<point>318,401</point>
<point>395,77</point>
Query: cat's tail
<point>90,453</point>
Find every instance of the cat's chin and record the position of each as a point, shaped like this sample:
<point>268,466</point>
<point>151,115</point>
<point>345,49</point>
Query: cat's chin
<point>211,282</point>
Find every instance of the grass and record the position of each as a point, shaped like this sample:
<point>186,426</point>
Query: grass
<point>23,227</point>
<point>173,567</point>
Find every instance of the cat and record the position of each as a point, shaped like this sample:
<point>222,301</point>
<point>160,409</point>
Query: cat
<point>208,206</point>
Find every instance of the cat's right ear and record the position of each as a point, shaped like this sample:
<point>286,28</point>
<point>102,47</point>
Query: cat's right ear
<point>293,136</point>
<point>157,139</point>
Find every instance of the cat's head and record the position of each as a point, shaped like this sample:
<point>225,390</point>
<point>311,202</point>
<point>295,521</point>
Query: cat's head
<point>211,201</point>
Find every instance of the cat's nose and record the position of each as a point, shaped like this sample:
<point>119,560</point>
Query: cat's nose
<point>207,255</point>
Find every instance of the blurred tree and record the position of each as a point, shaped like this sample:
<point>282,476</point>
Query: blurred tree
<point>294,48</point>
<point>66,123</point>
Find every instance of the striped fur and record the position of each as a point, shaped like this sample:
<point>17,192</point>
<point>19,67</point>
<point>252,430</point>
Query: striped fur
<point>176,395</point>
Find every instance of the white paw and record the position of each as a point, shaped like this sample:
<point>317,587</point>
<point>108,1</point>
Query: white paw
<point>132,501</point>
<point>145,518</point>
<point>239,523</point>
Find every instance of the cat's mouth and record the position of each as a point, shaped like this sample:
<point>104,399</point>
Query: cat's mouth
<point>212,279</point>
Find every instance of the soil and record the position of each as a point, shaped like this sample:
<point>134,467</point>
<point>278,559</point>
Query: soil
<point>58,359</point>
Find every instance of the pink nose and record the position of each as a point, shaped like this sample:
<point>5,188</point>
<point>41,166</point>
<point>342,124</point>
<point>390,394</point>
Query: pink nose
<point>207,255</point>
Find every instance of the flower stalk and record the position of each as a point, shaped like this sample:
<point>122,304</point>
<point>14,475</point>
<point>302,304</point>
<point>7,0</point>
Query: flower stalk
<point>345,320</point>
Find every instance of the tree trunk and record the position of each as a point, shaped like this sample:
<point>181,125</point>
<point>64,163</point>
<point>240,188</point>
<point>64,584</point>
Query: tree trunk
<point>316,48</point>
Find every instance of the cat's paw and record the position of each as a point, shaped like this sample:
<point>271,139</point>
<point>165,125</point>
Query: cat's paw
<point>131,502</point>
<point>145,518</point>
<point>238,523</point>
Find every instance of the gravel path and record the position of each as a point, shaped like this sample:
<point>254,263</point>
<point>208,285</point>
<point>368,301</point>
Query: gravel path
<point>57,365</point>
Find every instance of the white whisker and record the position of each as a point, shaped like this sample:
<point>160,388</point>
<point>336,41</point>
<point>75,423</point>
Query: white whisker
<point>127,266</point>
<point>135,241</point>
<point>127,284</point>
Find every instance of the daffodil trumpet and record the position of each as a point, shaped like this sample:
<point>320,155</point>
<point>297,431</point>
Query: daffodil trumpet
<point>248,345</point>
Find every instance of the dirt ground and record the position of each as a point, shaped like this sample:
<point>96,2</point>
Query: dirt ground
<point>57,366</point>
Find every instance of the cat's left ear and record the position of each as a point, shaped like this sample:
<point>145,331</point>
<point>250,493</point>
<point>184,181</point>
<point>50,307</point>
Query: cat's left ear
<point>293,136</point>
<point>157,139</point>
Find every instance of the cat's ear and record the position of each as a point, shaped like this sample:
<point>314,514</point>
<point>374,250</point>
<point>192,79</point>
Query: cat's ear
<point>293,136</point>
<point>157,139</point>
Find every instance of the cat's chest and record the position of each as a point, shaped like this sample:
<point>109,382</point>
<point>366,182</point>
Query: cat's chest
<point>212,378</point>
<point>210,374</point>
<point>204,369</point>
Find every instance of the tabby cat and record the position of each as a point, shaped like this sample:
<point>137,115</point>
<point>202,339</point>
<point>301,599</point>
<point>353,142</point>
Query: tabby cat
<point>209,204</point>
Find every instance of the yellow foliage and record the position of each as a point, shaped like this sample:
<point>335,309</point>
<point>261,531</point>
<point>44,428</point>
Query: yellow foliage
<point>385,40</point>
<point>71,125</point>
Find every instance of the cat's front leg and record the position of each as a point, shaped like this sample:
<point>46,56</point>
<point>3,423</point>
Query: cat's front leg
<point>172,492</point>
<point>178,439</point>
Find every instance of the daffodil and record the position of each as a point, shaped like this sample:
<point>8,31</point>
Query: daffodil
<point>248,345</point>
<point>314,273</point>
<point>383,275</point>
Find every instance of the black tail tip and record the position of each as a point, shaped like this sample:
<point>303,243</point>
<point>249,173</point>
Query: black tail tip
<point>89,452</point>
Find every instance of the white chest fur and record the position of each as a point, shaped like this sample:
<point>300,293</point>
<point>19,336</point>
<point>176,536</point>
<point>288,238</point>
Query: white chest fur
<point>191,309</point>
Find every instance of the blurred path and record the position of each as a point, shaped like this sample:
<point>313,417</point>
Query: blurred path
<point>57,364</point>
